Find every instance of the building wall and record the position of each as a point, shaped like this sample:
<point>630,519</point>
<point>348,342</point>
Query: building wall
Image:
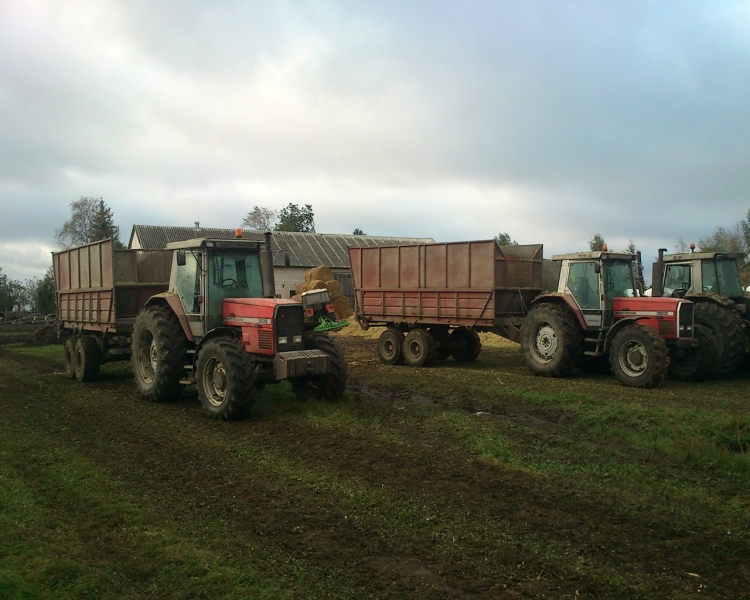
<point>287,278</point>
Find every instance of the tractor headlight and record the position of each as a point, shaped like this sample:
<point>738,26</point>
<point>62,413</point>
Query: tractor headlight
<point>283,340</point>
<point>297,339</point>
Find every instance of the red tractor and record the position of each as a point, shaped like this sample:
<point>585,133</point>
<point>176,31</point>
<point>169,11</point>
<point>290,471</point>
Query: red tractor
<point>598,311</point>
<point>203,311</point>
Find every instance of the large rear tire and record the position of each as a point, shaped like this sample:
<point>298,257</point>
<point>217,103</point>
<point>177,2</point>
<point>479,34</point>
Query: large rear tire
<point>224,374</point>
<point>728,330</point>
<point>695,364</point>
<point>330,386</point>
<point>391,347</point>
<point>86,359</point>
<point>419,348</point>
<point>70,357</point>
<point>466,345</point>
<point>159,354</point>
<point>551,341</point>
<point>639,356</point>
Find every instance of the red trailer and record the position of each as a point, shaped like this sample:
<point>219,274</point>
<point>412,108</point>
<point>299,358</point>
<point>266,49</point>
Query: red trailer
<point>433,298</point>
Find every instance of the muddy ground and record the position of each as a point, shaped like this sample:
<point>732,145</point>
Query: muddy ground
<point>513,535</point>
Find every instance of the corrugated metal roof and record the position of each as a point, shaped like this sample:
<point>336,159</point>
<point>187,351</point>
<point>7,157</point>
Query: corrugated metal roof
<point>302,249</point>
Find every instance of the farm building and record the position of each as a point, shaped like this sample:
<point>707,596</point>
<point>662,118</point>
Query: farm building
<point>293,253</point>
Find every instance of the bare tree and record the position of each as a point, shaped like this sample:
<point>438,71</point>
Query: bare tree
<point>90,220</point>
<point>260,219</point>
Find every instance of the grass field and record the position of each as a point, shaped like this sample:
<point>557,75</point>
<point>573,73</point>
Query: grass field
<point>458,481</point>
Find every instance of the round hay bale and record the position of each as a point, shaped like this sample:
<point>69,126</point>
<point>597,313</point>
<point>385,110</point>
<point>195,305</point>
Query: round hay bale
<point>300,288</point>
<point>342,308</point>
<point>334,288</point>
<point>297,298</point>
<point>306,286</point>
<point>321,273</point>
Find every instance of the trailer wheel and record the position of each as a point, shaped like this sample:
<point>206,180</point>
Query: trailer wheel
<point>728,329</point>
<point>465,345</point>
<point>551,341</point>
<point>695,364</point>
<point>639,356</point>
<point>224,375</point>
<point>441,335</point>
<point>331,385</point>
<point>86,358</point>
<point>419,348</point>
<point>390,347</point>
<point>70,357</point>
<point>159,354</point>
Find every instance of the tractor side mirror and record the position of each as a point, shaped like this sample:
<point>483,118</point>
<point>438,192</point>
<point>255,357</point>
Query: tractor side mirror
<point>597,268</point>
<point>181,261</point>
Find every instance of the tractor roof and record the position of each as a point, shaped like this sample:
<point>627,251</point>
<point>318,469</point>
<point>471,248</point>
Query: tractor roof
<point>685,256</point>
<point>599,255</point>
<point>195,243</point>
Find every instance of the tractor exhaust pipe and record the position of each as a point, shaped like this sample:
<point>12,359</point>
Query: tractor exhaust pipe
<point>657,275</point>
<point>266,267</point>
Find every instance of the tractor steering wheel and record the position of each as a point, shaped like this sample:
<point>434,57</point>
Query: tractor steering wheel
<point>232,282</point>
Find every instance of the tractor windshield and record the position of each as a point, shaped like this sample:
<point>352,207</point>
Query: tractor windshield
<point>237,274</point>
<point>677,280</point>
<point>618,279</point>
<point>721,276</point>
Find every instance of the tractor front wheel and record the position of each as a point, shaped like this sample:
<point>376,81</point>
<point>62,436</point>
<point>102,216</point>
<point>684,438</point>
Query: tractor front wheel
<point>551,341</point>
<point>639,357</point>
<point>695,364</point>
<point>224,374</point>
<point>159,354</point>
<point>331,385</point>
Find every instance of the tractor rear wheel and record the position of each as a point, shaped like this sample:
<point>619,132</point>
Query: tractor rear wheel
<point>419,348</point>
<point>86,358</point>
<point>331,385</point>
<point>465,344</point>
<point>728,330</point>
<point>551,341</point>
<point>159,354</point>
<point>390,347</point>
<point>441,335</point>
<point>224,374</point>
<point>639,356</point>
<point>70,357</point>
<point>695,364</point>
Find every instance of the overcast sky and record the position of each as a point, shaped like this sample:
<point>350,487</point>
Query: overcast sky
<point>549,120</point>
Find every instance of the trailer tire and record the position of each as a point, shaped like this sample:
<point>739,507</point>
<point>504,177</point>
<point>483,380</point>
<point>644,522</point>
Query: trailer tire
<point>695,364</point>
<point>639,356</point>
<point>158,354</point>
<point>465,345</point>
<point>441,335</point>
<point>224,374</point>
<point>551,341</point>
<point>87,359</point>
<point>391,347</point>
<point>728,329</point>
<point>69,350</point>
<point>419,348</point>
<point>330,386</point>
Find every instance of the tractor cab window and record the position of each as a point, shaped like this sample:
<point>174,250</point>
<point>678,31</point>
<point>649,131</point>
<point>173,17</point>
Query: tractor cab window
<point>728,277</point>
<point>618,279</point>
<point>237,274</point>
<point>583,283</point>
<point>710,281</point>
<point>188,282</point>
<point>677,280</point>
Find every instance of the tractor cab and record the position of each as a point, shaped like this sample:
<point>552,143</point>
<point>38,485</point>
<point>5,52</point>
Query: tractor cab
<point>207,272</point>
<point>594,280</point>
<point>702,273</point>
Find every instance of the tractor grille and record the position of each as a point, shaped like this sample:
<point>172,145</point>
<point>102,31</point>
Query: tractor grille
<point>666,327</point>
<point>685,320</point>
<point>265,339</point>
<point>289,322</point>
